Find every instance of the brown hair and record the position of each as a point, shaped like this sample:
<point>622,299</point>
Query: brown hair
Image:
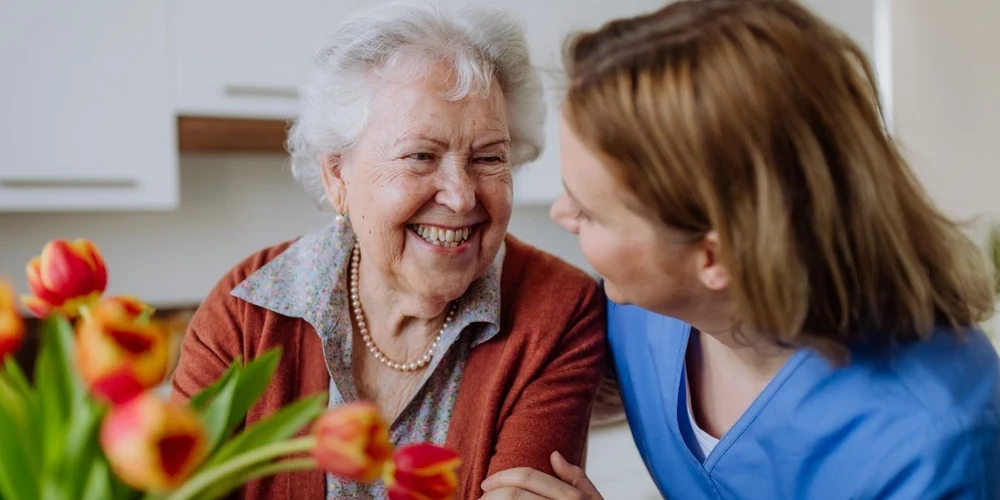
<point>758,120</point>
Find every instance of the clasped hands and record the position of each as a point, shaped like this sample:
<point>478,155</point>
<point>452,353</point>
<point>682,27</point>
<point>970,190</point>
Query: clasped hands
<point>525,483</point>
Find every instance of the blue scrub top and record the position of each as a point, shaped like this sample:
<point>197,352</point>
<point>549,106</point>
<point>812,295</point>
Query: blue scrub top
<point>922,424</point>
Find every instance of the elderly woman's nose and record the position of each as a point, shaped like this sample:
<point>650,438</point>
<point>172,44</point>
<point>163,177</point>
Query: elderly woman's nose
<point>458,192</point>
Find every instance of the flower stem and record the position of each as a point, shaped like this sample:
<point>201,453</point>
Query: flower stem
<point>230,483</point>
<point>208,478</point>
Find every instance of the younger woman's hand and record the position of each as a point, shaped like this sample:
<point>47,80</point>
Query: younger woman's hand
<point>529,484</point>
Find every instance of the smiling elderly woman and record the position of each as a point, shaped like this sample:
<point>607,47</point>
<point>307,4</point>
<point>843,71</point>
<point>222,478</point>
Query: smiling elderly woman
<point>415,297</point>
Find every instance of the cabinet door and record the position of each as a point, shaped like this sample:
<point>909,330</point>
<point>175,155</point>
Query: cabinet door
<point>246,58</point>
<point>86,121</point>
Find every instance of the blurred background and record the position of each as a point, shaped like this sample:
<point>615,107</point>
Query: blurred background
<point>155,128</point>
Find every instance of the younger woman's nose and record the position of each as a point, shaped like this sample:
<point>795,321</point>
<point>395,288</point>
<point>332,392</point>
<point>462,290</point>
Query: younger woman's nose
<point>564,214</point>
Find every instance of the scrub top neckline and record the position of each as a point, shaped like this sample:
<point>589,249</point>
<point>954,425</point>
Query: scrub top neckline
<point>672,377</point>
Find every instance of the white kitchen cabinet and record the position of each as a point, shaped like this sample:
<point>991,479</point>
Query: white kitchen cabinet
<point>86,120</point>
<point>246,58</point>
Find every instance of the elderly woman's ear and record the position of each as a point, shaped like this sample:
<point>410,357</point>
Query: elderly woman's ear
<point>333,182</point>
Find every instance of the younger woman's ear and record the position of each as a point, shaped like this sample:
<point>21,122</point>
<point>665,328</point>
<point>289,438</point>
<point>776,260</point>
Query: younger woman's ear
<point>333,182</point>
<point>712,273</point>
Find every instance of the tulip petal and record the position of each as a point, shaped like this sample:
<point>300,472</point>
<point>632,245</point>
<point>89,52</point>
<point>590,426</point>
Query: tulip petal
<point>131,306</point>
<point>175,453</point>
<point>65,272</point>
<point>119,355</point>
<point>424,471</point>
<point>153,445</point>
<point>88,251</point>
<point>11,323</point>
<point>118,387</point>
<point>34,273</point>
<point>37,306</point>
<point>352,441</point>
<point>134,342</point>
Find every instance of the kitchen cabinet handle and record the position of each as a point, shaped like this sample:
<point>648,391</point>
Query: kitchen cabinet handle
<point>81,183</point>
<point>261,91</point>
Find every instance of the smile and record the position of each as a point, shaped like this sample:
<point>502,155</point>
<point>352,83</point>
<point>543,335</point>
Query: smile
<point>444,237</point>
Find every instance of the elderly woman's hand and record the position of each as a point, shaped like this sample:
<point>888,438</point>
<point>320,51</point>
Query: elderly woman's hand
<point>529,484</point>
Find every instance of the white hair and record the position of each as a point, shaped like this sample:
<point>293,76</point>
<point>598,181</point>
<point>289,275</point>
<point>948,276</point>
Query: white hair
<point>406,38</point>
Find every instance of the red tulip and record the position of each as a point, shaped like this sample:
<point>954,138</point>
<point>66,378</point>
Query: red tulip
<point>11,323</point>
<point>423,471</point>
<point>352,441</point>
<point>152,444</point>
<point>66,276</point>
<point>119,353</point>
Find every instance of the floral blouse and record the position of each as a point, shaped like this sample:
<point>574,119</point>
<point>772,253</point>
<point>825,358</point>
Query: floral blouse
<point>309,281</point>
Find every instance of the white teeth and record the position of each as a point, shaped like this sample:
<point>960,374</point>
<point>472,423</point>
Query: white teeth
<point>448,238</point>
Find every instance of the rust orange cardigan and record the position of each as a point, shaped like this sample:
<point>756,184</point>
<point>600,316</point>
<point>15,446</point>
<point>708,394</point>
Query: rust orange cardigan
<point>527,392</point>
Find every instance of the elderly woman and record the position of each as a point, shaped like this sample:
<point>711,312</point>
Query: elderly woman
<point>415,297</point>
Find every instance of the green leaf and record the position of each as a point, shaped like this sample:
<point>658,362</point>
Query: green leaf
<point>281,425</point>
<point>201,400</point>
<point>82,448</point>
<point>253,381</point>
<point>216,415</point>
<point>17,480</point>
<point>16,375</point>
<point>20,423</point>
<point>55,377</point>
<point>230,400</point>
<point>13,403</point>
<point>228,484</point>
<point>98,482</point>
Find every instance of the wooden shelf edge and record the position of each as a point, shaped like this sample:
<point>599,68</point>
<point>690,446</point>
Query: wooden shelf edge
<point>202,134</point>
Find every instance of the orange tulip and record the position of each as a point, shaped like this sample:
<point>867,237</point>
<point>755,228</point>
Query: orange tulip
<point>119,353</point>
<point>66,276</point>
<point>352,441</point>
<point>423,471</point>
<point>11,324</point>
<point>130,306</point>
<point>152,444</point>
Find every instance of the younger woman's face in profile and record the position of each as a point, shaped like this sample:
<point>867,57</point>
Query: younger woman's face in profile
<point>638,263</point>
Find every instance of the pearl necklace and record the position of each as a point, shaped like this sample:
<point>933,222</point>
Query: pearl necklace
<point>359,316</point>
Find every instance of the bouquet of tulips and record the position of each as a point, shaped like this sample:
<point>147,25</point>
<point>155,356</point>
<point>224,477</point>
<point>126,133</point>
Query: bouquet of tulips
<point>89,425</point>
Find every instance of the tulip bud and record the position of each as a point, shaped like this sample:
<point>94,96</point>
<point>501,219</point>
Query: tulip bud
<point>423,471</point>
<point>119,353</point>
<point>65,277</point>
<point>11,324</point>
<point>352,442</point>
<point>130,306</point>
<point>152,444</point>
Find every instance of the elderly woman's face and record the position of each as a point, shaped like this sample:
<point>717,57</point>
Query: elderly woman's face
<point>428,187</point>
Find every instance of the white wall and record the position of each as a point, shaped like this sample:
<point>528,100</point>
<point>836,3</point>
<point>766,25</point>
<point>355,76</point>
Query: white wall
<point>946,93</point>
<point>230,207</point>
